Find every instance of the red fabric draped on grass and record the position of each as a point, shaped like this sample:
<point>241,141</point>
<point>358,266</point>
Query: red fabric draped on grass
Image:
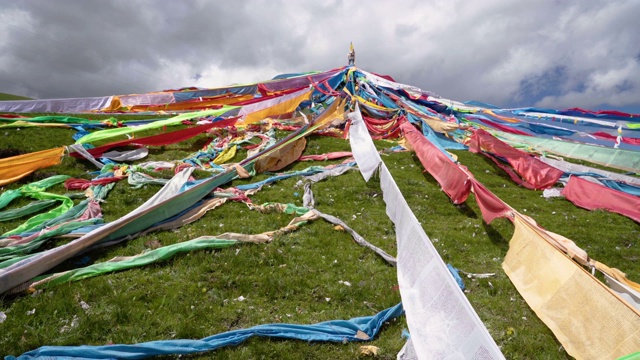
<point>160,139</point>
<point>535,174</point>
<point>83,184</point>
<point>591,196</point>
<point>454,179</point>
<point>491,206</point>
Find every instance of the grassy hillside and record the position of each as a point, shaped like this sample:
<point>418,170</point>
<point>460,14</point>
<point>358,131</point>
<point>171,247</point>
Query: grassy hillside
<point>5,97</point>
<point>299,277</point>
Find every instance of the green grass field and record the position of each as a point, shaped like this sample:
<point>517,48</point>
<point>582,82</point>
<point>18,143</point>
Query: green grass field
<point>297,277</point>
<point>6,97</point>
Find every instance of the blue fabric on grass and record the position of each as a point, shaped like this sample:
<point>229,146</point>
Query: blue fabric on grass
<point>333,331</point>
<point>456,276</point>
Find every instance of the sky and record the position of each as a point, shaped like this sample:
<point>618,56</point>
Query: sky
<point>542,53</point>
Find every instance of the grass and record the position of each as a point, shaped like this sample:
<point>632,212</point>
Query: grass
<point>290,279</point>
<point>7,97</point>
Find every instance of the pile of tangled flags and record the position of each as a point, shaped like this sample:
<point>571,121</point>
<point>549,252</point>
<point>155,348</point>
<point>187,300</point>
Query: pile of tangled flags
<point>348,102</point>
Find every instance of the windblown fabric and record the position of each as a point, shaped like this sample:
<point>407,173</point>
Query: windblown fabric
<point>17,167</point>
<point>305,172</point>
<point>165,252</point>
<point>158,140</point>
<point>271,107</point>
<point>32,222</point>
<point>616,158</point>
<point>127,262</point>
<point>589,320</point>
<point>146,99</point>
<point>239,90</point>
<point>491,206</point>
<point>86,213</point>
<point>368,160</point>
<point>353,330</point>
<point>522,267</point>
<point>36,190</point>
<point>35,187</point>
<point>380,81</point>
<point>109,133</point>
<point>79,151</point>
<point>594,196</point>
<point>454,181</point>
<point>138,179</point>
<point>585,316</point>
<point>71,105</point>
<point>26,210</point>
<point>568,167</point>
<point>299,81</point>
<point>176,196</point>
<point>536,174</point>
<point>441,321</point>
<point>127,155</point>
<point>168,201</point>
<point>83,184</point>
<point>227,154</point>
<point>22,123</point>
<point>188,216</point>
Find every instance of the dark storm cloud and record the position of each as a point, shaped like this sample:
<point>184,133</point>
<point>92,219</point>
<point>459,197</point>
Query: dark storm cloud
<point>554,54</point>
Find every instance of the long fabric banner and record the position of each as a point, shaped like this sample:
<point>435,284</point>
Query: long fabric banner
<point>616,158</point>
<point>568,167</point>
<point>536,174</point>
<point>71,105</point>
<point>585,316</point>
<point>109,133</point>
<point>441,320</point>
<point>453,180</point>
<point>274,106</point>
<point>340,331</point>
<point>147,99</point>
<point>158,140</point>
<point>175,197</point>
<point>592,196</point>
<point>17,167</point>
<point>300,81</point>
<point>557,289</point>
<point>165,203</point>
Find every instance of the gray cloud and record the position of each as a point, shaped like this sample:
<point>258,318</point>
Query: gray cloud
<point>529,53</point>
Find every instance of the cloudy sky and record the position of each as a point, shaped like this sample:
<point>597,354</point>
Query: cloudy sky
<point>555,54</point>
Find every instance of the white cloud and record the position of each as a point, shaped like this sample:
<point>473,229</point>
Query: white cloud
<point>530,52</point>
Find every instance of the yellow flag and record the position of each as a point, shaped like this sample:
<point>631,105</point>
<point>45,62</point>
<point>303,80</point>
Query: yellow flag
<point>588,319</point>
<point>16,167</point>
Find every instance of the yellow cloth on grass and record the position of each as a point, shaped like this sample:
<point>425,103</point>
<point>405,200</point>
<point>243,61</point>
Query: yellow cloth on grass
<point>17,167</point>
<point>226,155</point>
<point>588,319</point>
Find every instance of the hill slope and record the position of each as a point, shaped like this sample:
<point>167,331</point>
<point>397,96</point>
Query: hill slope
<point>6,97</point>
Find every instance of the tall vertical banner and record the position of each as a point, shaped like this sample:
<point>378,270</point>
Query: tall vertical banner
<point>442,322</point>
